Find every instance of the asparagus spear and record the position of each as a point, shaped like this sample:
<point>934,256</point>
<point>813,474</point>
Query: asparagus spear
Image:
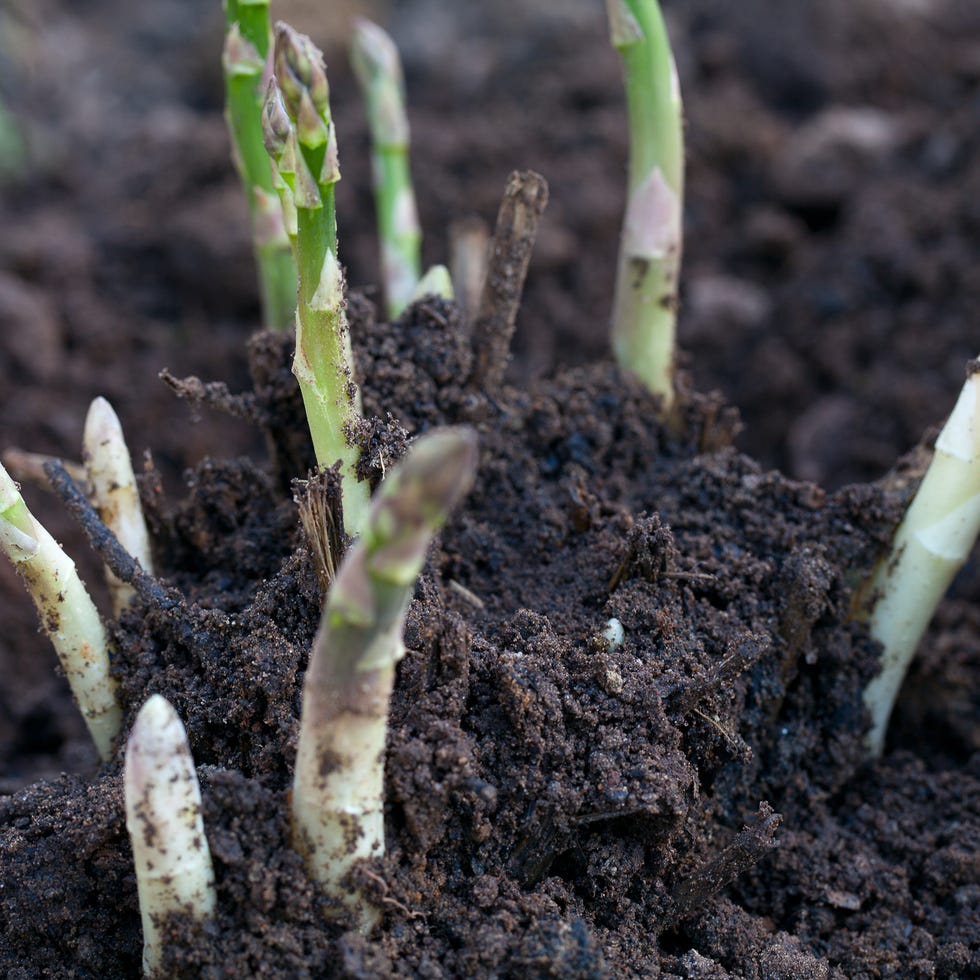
<point>435,282</point>
<point>114,494</point>
<point>378,68</point>
<point>247,41</point>
<point>645,305</point>
<point>300,138</point>
<point>163,816</point>
<point>67,612</point>
<point>930,546</point>
<point>338,803</point>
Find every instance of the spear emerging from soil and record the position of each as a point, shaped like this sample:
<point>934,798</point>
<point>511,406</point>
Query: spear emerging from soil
<point>174,873</point>
<point>68,614</point>
<point>113,492</point>
<point>930,546</point>
<point>302,142</point>
<point>378,68</point>
<point>645,306</point>
<point>247,40</point>
<point>338,789</point>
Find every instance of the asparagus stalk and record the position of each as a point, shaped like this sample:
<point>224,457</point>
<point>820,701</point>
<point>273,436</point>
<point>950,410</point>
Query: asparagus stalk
<point>163,816</point>
<point>247,41</point>
<point>300,138</point>
<point>930,546</point>
<point>469,245</point>
<point>435,282</point>
<point>338,802</point>
<point>645,305</point>
<point>67,613</point>
<point>378,68</point>
<point>113,492</point>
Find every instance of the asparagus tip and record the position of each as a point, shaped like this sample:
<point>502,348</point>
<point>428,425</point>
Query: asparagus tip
<point>300,70</point>
<point>173,865</point>
<point>436,282</point>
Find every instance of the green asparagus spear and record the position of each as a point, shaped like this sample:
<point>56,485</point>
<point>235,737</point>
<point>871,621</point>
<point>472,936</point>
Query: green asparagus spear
<point>645,306</point>
<point>300,138</point>
<point>379,70</point>
<point>247,40</point>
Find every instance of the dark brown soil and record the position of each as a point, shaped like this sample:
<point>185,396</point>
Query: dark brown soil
<point>555,808</point>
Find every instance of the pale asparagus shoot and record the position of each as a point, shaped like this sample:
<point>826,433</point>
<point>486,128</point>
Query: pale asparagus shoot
<point>113,493</point>
<point>174,873</point>
<point>930,546</point>
<point>378,68</point>
<point>68,614</point>
<point>338,801</point>
<point>469,246</point>
<point>645,305</point>
<point>435,282</point>
<point>248,36</point>
<point>302,142</point>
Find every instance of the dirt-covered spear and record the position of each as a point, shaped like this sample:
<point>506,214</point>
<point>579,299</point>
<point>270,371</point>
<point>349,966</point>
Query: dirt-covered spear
<point>174,873</point>
<point>67,612</point>
<point>338,789</point>
<point>114,494</point>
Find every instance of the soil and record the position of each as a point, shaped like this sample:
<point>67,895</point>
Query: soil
<point>693,803</point>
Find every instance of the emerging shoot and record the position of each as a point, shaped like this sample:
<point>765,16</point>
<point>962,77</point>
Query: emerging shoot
<point>338,788</point>
<point>645,306</point>
<point>302,142</point>
<point>163,816</point>
<point>436,282</point>
<point>113,492</point>
<point>930,546</point>
<point>378,68</point>
<point>247,40</point>
<point>68,614</point>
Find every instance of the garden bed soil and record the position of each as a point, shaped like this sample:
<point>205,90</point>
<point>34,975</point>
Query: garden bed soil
<point>691,804</point>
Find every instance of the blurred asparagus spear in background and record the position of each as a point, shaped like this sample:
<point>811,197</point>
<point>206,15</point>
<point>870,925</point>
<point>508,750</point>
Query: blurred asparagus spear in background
<point>338,788</point>
<point>436,282</point>
<point>645,305</point>
<point>379,70</point>
<point>302,142</point>
<point>67,613</point>
<point>247,40</point>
